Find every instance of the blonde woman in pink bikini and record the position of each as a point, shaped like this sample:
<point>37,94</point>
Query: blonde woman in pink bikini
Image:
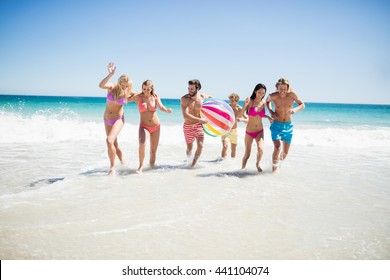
<point>114,118</point>
<point>254,128</point>
<point>147,103</point>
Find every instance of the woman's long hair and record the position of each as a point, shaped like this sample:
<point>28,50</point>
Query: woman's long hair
<point>149,83</point>
<point>118,91</point>
<point>257,87</point>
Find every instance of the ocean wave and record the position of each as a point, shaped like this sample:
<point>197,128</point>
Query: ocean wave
<point>353,137</point>
<point>49,128</point>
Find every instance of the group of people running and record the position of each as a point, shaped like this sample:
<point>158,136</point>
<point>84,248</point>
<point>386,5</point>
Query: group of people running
<point>279,104</point>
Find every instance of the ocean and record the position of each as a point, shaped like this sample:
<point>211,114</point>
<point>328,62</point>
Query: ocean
<point>330,200</point>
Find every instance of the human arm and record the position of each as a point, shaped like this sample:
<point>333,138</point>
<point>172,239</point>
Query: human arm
<point>161,105</point>
<point>271,120</point>
<point>243,109</point>
<point>243,119</point>
<point>184,104</point>
<point>111,71</point>
<point>205,96</point>
<point>269,107</point>
<point>263,104</point>
<point>300,103</point>
<point>133,97</point>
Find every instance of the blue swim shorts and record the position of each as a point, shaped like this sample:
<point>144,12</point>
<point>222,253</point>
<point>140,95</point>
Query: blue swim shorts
<point>282,131</point>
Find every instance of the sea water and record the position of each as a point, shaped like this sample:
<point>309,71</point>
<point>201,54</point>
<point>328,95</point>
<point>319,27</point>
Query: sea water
<point>330,200</point>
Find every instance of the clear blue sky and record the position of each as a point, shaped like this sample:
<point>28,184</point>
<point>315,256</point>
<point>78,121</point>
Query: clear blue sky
<point>331,51</point>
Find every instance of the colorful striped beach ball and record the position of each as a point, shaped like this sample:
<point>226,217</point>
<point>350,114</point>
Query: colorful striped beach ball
<point>219,115</point>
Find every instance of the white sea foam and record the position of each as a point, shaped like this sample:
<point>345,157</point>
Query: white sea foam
<point>354,137</point>
<point>46,128</point>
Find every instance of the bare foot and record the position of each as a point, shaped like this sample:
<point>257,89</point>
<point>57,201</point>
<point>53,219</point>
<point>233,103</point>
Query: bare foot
<point>259,168</point>
<point>194,161</point>
<point>275,168</point>
<point>111,172</point>
<point>244,161</point>
<point>139,170</point>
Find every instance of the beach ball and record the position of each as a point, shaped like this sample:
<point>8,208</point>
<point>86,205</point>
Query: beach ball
<point>219,115</point>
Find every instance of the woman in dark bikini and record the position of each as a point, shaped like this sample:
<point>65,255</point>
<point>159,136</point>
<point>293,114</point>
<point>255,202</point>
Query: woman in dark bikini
<point>254,128</point>
<point>147,103</point>
<point>114,119</point>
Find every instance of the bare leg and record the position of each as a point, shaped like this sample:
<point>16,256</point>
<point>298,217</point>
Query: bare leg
<point>234,148</point>
<point>141,149</point>
<point>189,149</point>
<point>259,143</point>
<point>248,148</point>
<point>118,151</point>
<point>198,152</point>
<point>286,148</point>
<point>154,139</point>
<point>112,133</point>
<point>224,148</point>
<point>276,155</point>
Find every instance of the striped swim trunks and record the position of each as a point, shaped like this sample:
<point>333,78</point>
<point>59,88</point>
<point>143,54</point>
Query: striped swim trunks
<point>192,132</point>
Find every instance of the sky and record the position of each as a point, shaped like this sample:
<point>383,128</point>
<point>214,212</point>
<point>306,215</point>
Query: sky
<point>332,51</point>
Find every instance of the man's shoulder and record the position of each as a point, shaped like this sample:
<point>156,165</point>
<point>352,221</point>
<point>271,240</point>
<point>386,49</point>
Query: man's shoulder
<point>292,94</point>
<point>203,95</point>
<point>273,95</point>
<point>236,108</point>
<point>185,98</point>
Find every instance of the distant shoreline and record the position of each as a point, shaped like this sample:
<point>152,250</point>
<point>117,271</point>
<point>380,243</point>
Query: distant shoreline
<point>170,98</point>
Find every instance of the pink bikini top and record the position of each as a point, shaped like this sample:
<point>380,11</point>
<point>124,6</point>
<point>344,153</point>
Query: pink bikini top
<point>253,112</point>
<point>143,106</point>
<point>120,101</point>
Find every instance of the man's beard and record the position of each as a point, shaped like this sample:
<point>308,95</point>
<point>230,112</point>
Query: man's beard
<point>192,94</point>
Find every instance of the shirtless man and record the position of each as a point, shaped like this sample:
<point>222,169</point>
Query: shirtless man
<point>282,127</point>
<point>192,127</point>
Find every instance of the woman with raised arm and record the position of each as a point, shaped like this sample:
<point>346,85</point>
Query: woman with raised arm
<point>114,119</point>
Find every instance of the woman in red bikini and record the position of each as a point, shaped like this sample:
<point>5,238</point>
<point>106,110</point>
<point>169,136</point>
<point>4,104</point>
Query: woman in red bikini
<point>114,119</point>
<point>147,102</point>
<point>254,128</point>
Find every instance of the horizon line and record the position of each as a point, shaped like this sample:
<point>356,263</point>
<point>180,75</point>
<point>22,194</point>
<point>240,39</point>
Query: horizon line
<point>90,96</point>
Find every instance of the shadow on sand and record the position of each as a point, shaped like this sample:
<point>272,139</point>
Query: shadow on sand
<point>125,171</point>
<point>238,174</point>
<point>45,182</point>
<point>100,172</point>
